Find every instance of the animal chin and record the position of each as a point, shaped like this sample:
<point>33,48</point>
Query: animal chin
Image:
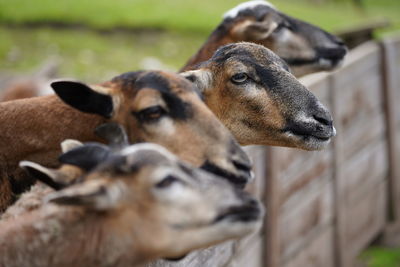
<point>316,63</point>
<point>308,141</point>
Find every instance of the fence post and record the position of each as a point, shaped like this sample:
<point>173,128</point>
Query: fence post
<point>339,218</point>
<point>271,200</point>
<point>391,84</point>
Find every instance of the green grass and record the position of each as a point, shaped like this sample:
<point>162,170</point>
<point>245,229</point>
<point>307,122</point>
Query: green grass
<point>182,15</point>
<point>91,56</point>
<point>382,257</point>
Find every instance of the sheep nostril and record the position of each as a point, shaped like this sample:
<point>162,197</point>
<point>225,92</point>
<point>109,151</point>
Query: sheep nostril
<point>323,120</point>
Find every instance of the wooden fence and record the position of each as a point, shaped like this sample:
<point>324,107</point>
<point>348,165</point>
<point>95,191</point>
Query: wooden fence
<point>325,207</point>
<point>328,206</point>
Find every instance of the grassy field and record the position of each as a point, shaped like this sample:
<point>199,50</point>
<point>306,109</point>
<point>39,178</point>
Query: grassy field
<point>183,15</point>
<point>87,54</point>
<point>91,56</point>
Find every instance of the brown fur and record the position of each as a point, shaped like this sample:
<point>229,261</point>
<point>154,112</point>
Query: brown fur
<point>267,104</point>
<point>111,218</point>
<point>296,41</point>
<point>34,128</point>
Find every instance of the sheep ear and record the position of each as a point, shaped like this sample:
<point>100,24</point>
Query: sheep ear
<point>250,30</point>
<point>50,177</point>
<point>87,156</point>
<point>69,144</point>
<point>97,194</point>
<point>84,98</point>
<point>114,134</point>
<point>202,78</point>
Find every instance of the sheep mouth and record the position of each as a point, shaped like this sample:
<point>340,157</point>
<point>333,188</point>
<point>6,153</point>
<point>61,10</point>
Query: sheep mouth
<point>238,180</point>
<point>320,62</point>
<point>307,136</point>
<point>245,213</point>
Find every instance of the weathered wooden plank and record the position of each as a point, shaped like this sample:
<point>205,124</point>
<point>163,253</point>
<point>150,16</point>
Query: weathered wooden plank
<point>304,215</point>
<point>338,159</point>
<point>357,63</point>
<point>272,227</point>
<point>365,219</point>
<point>364,60</point>
<point>258,156</point>
<point>306,174</point>
<point>367,129</point>
<point>391,68</point>
<point>369,166</point>
<point>361,97</point>
<point>210,257</point>
<point>318,253</point>
<point>248,252</point>
<point>291,161</point>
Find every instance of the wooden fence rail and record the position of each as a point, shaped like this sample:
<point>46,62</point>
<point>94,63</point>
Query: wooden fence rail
<point>330,205</point>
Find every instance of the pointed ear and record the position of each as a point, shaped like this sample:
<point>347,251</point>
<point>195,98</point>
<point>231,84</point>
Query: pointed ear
<point>97,194</point>
<point>53,178</point>
<point>250,30</point>
<point>69,144</point>
<point>84,98</point>
<point>114,133</point>
<point>202,78</point>
<point>87,156</point>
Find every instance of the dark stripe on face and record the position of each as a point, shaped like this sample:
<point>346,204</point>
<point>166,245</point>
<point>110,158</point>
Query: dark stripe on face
<point>154,81</point>
<point>177,108</point>
<point>268,78</point>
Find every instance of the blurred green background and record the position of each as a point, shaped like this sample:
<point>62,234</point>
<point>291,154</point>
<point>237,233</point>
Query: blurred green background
<point>96,39</point>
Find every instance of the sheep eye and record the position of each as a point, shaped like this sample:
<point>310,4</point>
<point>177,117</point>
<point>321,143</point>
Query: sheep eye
<point>239,78</point>
<point>150,114</point>
<point>167,181</point>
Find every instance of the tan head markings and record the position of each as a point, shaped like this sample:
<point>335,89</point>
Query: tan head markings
<point>252,92</point>
<point>166,109</point>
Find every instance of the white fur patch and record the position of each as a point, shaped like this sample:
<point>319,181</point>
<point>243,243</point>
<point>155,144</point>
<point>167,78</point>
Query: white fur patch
<point>305,119</point>
<point>284,36</point>
<point>246,5</point>
<point>137,148</point>
<point>203,80</point>
<point>69,144</point>
<point>45,89</point>
<point>166,126</point>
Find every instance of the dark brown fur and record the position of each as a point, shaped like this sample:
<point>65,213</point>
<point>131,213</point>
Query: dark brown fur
<point>269,107</point>
<point>34,128</point>
<point>303,45</point>
<point>111,218</point>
